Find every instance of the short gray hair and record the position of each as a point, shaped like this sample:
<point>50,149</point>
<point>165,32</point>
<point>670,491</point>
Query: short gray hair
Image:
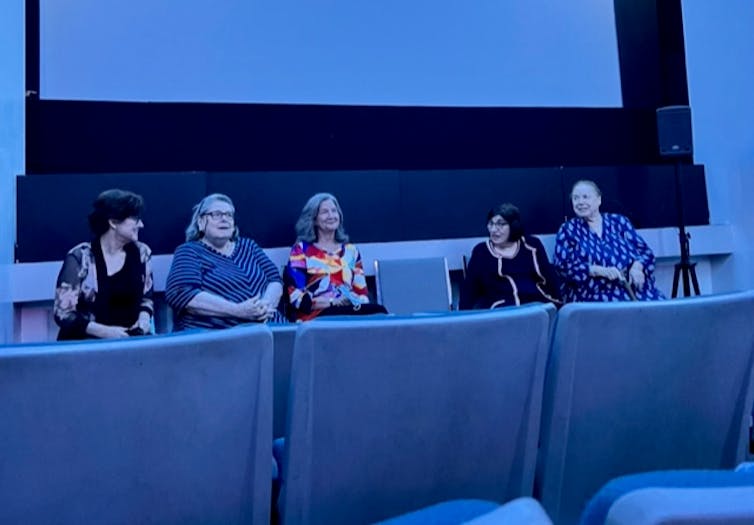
<point>305,230</point>
<point>588,183</point>
<point>193,233</point>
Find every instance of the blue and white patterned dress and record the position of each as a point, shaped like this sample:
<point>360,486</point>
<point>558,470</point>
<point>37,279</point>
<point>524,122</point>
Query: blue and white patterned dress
<point>577,247</point>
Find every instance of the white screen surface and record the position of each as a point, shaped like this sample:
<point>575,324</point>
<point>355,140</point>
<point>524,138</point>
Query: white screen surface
<point>537,53</point>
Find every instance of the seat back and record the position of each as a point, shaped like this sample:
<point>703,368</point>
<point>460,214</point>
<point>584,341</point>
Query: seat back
<point>163,429</point>
<point>679,494</point>
<point>684,506</point>
<point>643,386</point>
<point>390,415</point>
<point>407,286</point>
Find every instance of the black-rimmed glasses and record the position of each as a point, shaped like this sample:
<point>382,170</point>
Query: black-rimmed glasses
<point>217,215</point>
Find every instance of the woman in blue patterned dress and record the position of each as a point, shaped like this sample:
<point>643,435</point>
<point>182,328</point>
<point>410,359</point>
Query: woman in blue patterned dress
<point>600,256</point>
<point>218,279</point>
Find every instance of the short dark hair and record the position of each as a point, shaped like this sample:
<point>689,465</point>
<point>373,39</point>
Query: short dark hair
<point>114,205</point>
<point>512,216</point>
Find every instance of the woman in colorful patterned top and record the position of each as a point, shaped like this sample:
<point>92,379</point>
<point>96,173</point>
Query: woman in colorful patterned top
<point>324,273</point>
<point>104,289</point>
<point>218,279</point>
<point>600,256</point>
<point>508,269</point>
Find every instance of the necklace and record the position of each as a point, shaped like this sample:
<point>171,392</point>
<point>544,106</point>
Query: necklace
<point>226,250</point>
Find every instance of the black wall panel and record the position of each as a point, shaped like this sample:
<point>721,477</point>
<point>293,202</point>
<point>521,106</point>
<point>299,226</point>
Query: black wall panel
<point>456,202</point>
<point>268,204</point>
<point>52,211</point>
<point>379,206</point>
<point>92,137</point>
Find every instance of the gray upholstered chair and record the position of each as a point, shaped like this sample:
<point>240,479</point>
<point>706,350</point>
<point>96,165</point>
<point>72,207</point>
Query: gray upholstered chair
<point>684,506</point>
<point>407,286</point>
<point>391,415</point>
<point>635,387</point>
<point>164,429</point>
<point>520,511</point>
<point>678,497</point>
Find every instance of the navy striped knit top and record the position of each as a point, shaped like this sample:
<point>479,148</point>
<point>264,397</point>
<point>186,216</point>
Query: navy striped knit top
<point>198,268</point>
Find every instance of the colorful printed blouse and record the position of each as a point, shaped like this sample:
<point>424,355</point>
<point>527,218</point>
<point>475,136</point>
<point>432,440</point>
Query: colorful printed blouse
<point>85,293</point>
<point>577,247</point>
<point>313,272</point>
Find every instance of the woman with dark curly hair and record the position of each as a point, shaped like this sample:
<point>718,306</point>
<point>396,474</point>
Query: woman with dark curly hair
<point>104,289</point>
<point>508,269</point>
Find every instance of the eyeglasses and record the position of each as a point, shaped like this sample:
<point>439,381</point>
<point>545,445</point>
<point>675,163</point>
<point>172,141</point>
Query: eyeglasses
<point>497,224</point>
<point>217,215</point>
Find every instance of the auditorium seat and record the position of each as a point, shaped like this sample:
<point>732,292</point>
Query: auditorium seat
<point>520,511</point>
<point>643,386</point>
<point>391,415</point>
<point>407,286</point>
<point>672,506</point>
<point>162,429</point>
<point>678,497</point>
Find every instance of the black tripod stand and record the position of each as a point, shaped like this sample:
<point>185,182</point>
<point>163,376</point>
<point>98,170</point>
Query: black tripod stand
<point>684,267</point>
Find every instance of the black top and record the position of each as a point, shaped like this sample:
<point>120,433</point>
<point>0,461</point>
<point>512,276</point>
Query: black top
<point>493,281</point>
<point>119,298</point>
<point>85,293</point>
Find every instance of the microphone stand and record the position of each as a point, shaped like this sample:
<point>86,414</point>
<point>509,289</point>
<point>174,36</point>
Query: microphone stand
<point>684,267</point>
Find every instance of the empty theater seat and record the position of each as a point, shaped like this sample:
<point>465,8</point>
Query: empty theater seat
<point>520,511</point>
<point>391,415</point>
<point>165,429</point>
<point>634,387</point>
<point>680,497</point>
<point>407,286</point>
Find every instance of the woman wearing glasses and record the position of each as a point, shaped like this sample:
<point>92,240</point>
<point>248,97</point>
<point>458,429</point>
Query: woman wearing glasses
<point>325,275</point>
<point>104,289</point>
<point>218,279</point>
<point>508,269</point>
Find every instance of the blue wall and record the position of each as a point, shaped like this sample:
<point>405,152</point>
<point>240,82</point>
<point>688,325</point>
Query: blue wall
<point>11,143</point>
<point>719,51</point>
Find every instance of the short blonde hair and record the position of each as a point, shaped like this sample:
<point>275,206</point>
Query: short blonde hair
<point>193,232</point>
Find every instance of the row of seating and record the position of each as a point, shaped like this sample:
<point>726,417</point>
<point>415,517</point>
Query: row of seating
<point>382,416</point>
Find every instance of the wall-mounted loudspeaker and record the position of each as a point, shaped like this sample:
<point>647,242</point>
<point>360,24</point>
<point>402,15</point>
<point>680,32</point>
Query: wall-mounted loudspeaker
<point>674,131</point>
